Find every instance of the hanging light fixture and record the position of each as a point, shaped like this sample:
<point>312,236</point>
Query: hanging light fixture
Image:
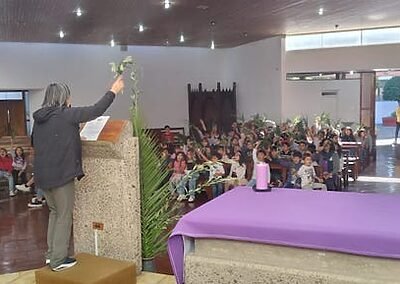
<point>78,12</point>
<point>182,38</point>
<point>167,4</point>
<point>212,45</point>
<point>61,34</point>
<point>141,28</point>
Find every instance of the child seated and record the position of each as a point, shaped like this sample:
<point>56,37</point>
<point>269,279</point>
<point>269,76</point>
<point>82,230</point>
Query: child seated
<point>286,153</point>
<point>276,174</point>
<point>192,161</point>
<point>6,170</point>
<point>179,168</point>
<point>308,176</point>
<point>293,179</point>
<point>237,172</point>
<point>19,166</point>
<point>217,170</point>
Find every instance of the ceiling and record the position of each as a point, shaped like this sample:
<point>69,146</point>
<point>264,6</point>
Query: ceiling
<point>236,21</point>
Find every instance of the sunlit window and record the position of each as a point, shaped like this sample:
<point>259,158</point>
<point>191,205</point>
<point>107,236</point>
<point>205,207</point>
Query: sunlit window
<point>303,42</point>
<point>343,39</point>
<point>352,38</point>
<point>381,36</point>
<point>8,96</point>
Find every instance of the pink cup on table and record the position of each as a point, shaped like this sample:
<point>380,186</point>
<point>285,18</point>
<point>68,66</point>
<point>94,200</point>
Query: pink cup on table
<point>262,176</point>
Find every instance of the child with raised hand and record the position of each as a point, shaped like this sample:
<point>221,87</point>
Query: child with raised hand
<point>308,176</point>
<point>259,156</point>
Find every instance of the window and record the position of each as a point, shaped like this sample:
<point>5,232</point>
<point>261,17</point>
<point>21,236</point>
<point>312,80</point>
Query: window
<point>11,96</point>
<point>343,39</point>
<point>381,36</point>
<point>303,42</point>
<point>352,38</point>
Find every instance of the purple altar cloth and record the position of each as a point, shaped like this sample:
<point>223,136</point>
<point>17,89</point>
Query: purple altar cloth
<point>356,223</point>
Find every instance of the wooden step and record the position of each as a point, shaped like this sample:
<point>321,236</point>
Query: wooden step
<point>90,269</point>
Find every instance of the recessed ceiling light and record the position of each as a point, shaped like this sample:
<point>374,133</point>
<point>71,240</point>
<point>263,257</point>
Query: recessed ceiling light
<point>112,43</point>
<point>141,28</point>
<point>167,4</point>
<point>212,45</point>
<point>78,12</point>
<point>321,11</point>
<point>182,38</point>
<point>61,34</point>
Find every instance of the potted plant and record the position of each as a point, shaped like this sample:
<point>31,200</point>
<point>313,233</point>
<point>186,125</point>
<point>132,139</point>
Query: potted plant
<point>158,210</point>
<point>389,120</point>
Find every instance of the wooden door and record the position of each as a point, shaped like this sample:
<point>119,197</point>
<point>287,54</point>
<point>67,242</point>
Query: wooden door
<point>4,131</point>
<point>367,105</point>
<point>367,101</point>
<point>12,118</point>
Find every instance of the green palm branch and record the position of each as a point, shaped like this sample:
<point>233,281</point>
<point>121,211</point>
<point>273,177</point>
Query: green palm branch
<point>158,210</point>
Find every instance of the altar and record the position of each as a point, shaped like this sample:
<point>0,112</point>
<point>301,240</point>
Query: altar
<point>289,236</point>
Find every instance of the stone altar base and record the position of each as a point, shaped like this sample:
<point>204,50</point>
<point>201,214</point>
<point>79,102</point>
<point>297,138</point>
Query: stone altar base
<point>90,270</point>
<point>223,261</point>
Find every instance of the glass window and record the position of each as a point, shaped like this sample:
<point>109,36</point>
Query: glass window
<point>11,96</point>
<point>336,39</point>
<point>381,36</point>
<point>303,42</point>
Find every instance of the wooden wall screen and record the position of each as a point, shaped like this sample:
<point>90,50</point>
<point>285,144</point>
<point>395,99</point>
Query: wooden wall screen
<point>216,106</point>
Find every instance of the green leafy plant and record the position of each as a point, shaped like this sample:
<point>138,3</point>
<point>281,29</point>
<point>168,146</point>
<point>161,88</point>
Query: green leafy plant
<point>391,91</point>
<point>158,210</point>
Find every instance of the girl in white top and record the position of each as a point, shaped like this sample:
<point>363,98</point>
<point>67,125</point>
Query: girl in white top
<point>237,172</point>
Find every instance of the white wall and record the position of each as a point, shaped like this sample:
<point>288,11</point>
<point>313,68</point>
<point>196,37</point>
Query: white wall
<point>165,73</point>
<point>363,58</point>
<point>256,67</point>
<point>304,98</point>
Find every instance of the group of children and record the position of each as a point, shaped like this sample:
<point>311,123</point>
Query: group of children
<point>235,153</point>
<point>13,168</point>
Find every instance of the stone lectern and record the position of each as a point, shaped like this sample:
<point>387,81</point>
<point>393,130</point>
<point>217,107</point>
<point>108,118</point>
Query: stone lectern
<point>107,199</point>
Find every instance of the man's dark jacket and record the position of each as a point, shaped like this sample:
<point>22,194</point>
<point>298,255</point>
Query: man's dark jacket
<point>57,143</point>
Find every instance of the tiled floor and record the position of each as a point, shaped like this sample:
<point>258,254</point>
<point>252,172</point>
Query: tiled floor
<point>23,230</point>
<point>28,277</point>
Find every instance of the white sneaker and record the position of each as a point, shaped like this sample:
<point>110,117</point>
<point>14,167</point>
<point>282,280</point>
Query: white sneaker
<point>23,188</point>
<point>181,197</point>
<point>191,199</point>
<point>13,193</point>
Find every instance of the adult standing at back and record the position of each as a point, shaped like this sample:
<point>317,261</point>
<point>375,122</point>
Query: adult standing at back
<point>397,122</point>
<point>58,161</point>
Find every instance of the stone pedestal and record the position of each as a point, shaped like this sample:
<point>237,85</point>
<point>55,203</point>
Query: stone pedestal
<point>222,261</point>
<point>109,195</point>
